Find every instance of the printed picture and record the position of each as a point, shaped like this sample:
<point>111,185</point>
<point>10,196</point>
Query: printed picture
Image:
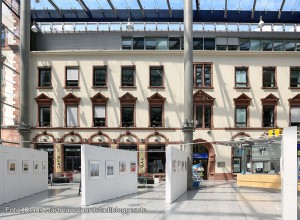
<point>25,166</point>
<point>122,167</point>
<point>12,166</point>
<point>35,167</point>
<point>132,167</point>
<point>44,167</point>
<point>94,169</point>
<point>109,169</point>
<point>179,165</point>
<point>174,165</point>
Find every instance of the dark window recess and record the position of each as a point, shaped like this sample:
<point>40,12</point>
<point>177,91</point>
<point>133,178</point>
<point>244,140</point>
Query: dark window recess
<point>128,147</point>
<point>127,43</point>
<point>269,77</point>
<point>174,43</point>
<point>198,43</point>
<point>156,116</point>
<point>295,78</point>
<point>72,158</point>
<point>241,77</point>
<point>44,77</point>
<point>44,117</point>
<point>100,77</point>
<point>241,117</point>
<point>128,77</point>
<point>150,43</point>
<point>48,148</point>
<point>244,44</point>
<point>99,122</point>
<point>99,116</point>
<point>156,76</point>
<point>138,43</point>
<point>268,117</point>
<point>209,43</point>
<point>127,116</point>
<point>203,116</point>
<point>202,75</point>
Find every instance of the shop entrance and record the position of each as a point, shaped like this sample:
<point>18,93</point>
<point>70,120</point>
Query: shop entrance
<point>200,156</point>
<point>156,158</point>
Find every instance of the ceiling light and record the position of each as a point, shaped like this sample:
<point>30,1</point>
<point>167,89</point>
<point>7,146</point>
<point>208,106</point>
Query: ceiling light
<point>129,25</point>
<point>35,28</point>
<point>261,23</point>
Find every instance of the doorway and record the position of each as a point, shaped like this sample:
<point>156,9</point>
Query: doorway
<point>200,155</point>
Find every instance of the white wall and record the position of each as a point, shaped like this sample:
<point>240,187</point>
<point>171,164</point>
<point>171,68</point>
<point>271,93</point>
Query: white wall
<point>176,178</point>
<point>10,188</point>
<point>104,188</point>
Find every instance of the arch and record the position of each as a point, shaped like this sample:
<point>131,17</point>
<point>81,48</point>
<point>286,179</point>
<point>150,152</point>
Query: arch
<point>44,133</point>
<point>240,134</point>
<point>128,133</point>
<point>211,157</point>
<point>157,134</point>
<point>99,133</point>
<point>72,133</point>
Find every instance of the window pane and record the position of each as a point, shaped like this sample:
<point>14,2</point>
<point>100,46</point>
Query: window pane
<point>138,43</point>
<point>290,45</point>
<point>295,114</point>
<point>155,116</point>
<point>128,77</point>
<point>174,43</point>
<point>209,43</point>
<point>99,116</point>
<point>45,77</point>
<point>127,43</point>
<point>267,45</point>
<point>295,78</point>
<point>151,43</point>
<point>198,43</point>
<point>244,44</point>
<point>278,45</point>
<point>255,45</point>
<point>241,78</point>
<point>100,77</point>
<point>298,45</point>
<point>241,117</point>
<point>198,75</point>
<point>199,116</point>
<point>162,43</point>
<point>44,116</point>
<point>207,116</point>
<point>127,116</point>
<point>207,75</point>
<point>269,77</point>
<point>72,116</point>
<point>72,77</point>
<point>156,76</point>
<point>268,117</point>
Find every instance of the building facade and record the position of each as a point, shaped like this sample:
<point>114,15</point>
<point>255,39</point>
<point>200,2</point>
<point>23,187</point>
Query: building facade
<point>124,89</point>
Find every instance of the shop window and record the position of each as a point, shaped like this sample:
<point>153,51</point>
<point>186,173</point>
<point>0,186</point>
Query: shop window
<point>202,75</point>
<point>127,116</point>
<point>174,43</point>
<point>99,116</point>
<point>72,77</point>
<point>44,77</point>
<point>269,78</point>
<point>100,74</point>
<point>156,76</point>
<point>203,116</point>
<point>44,116</point>
<point>241,78</point>
<point>295,77</point>
<point>128,75</point>
<point>268,116</point>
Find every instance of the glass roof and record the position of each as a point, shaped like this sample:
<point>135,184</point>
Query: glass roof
<point>244,5</point>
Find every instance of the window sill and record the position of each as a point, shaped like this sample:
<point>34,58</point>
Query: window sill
<point>156,87</point>
<point>44,87</point>
<point>294,88</point>
<point>203,87</point>
<point>99,87</point>
<point>72,87</point>
<point>127,87</point>
<point>242,87</point>
<point>269,87</point>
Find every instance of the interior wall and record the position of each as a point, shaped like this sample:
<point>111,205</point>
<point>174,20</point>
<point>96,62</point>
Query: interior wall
<point>176,176</point>
<point>33,180</point>
<point>104,187</point>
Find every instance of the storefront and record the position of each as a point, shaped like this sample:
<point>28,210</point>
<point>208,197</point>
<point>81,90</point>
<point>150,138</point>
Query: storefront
<point>48,148</point>
<point>241,159</point>
<point>156,158</point>
<point>72,158</point>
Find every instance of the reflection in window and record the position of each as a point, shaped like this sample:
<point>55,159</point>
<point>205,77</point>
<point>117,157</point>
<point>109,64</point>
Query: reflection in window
<point>127,43</point>
<point>150,43</point>
<point>241,77</point>
<point>209,43</point>
<point>162,43</point>
<point>198,43</point>
<point>44,77</point>
<point>267,45</point>
<point>138,43</point>
<point>241,117</point>
<point>295,77</point>
<point>203,116</point>
<point>268,116</point>
<point>100,76</point>
<point>255,44</point>
<point>174,43</point>
<point>290,45</point>
<point>268,77</point>
<point>44,116</point>
<point>156,116</point>
<point>127,116</point>
<point>278,45</point>
<point>127,76</point>
<point>202,75</point>
<point>156,76</point>
<point>244,44</point>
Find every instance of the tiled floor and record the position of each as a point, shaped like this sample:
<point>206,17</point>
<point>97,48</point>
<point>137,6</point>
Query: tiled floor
<point>216,200</point>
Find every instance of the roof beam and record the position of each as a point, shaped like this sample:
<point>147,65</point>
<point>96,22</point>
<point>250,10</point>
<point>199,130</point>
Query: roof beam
<point>56,8</point>
<point>170,9</point>
<point>281,7</point>
<point>112,6</point>
<point>225,10</point>
<point>141,8</point>
<point>85,8</point>
<point>253,9</point>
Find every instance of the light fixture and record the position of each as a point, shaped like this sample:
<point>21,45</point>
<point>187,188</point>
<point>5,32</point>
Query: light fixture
<point>261,23</point>
<point>35,27</point>
<point>129,25</point>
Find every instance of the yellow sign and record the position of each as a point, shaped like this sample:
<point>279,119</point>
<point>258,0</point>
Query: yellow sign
<point>142,159</point>
<point>275,132</point>
<point>58,158</point>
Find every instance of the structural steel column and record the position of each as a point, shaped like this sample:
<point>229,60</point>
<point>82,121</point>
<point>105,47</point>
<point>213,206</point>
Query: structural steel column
<point>25,23</point>
<point>188,83</point>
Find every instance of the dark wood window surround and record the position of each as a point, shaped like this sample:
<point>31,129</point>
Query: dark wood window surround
<point>162,86</point>
<point>71,100</point>
<point>94,79</point>
<point>127,100</point>
<point>125,85</point>
<point>264,85</point>
<point>247,78</point>
<point>270,101</point>
<point>72,87</point>
<point>47,85</point>
<point>99,100</point>
<point>203,83</point>
<point>243,101</point>
<point>43,101</point>
<point>156,100</point>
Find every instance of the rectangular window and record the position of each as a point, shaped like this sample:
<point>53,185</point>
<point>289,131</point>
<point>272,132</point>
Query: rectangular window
<point>221,43</point>
<point>150,43</point>
<point>3,37</point>
<point>202,75</point>
<point>233,43</point>
<point>44,77</point>
<point>290,45</point>
<point>244,44</point>
<point>278,45</point>
<point>255,45</point>
<point>127,116</point>
<point>126,43</point>
<point>198,43</point>
<point>209,43</point>
<point>268,116</point>
<point>72,116</point>
<point>156,76</point>
<point>72,76</point>
<point>128,76</point>
<point>138,43</point>
<point>295,116</point>
<point>241,78</point>
<point>45,119</point>
<point>100,76</point>
<point>267,45</point>
<point>241,117</point>
<point>269,77</point>
<point>156,116</point>
<point>162,43</point>
<point>99,116</point>
<point>298,45</point>
<point>203,116</point>
<point>174,43</point>
<point>295,78</point>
